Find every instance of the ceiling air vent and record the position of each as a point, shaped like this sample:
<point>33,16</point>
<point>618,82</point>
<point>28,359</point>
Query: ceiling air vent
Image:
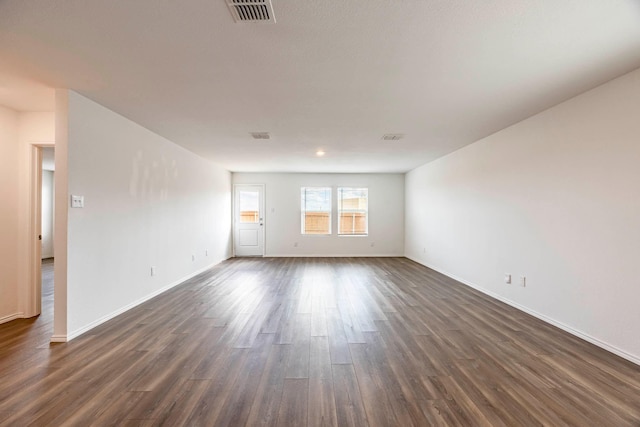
<point>260,135</point>
<point>392,136</point>
<point>251,10</point>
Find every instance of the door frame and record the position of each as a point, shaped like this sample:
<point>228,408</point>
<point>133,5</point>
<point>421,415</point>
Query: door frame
<point>33,290</point>
<point>262,209</point>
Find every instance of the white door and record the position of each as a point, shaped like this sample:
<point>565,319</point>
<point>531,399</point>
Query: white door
<point>249,220</point>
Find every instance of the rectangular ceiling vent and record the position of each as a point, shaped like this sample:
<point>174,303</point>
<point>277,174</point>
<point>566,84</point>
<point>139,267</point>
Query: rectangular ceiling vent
<point>252,11</point>
<point>392,136</point>
<point>260,135</point>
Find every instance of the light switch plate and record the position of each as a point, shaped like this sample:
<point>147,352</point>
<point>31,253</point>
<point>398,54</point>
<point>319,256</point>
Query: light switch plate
<point>77,201</point>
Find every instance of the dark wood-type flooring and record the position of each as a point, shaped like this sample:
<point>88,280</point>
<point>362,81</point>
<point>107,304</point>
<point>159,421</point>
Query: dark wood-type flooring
<point>317,342</point>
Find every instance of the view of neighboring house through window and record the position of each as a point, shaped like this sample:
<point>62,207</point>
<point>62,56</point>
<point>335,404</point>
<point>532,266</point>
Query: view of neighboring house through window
<point>353,205</point>
<point>316,210</point>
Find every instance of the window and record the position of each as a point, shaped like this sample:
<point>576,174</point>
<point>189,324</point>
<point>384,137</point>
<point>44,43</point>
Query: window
<point>316,210</point>
<point>249,210</point>
<point>353,207</point>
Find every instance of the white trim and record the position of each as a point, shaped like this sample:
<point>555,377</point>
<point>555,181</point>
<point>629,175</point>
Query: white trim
<point>32,292</point>
<point>263,211</point>
<point>128,307</point>
<point>334,256</point>
<point>10,317</point>
<point>595,341</point>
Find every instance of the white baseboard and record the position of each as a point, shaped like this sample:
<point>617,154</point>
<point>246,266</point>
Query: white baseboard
<point>10,317</point>
<point>593,340</point>
<point>333,256</point>
<point>128,307</point>
<point>58,338</point>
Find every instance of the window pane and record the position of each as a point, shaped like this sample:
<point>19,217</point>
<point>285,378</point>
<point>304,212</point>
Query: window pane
<point>249,210</point>
<point>353,206</point>
<point>316,210</point>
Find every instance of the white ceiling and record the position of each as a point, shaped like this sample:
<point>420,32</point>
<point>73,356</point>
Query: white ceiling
<point>23,94</point>
<point>332,75</point>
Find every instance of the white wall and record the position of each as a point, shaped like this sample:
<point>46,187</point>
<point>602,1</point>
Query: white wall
<point>148,202</point>
<point>555,198</point>
<point>19,133</point>
<point>35,129</point>
<point>47,214</point>
<point>9,157</point>
<point>61,210</point>
<point>282,219</point>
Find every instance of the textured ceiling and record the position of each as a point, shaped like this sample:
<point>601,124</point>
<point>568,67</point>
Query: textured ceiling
<point>331,75</point>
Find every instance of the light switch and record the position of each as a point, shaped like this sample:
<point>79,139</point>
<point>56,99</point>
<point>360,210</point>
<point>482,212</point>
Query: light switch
<point>77,201</point>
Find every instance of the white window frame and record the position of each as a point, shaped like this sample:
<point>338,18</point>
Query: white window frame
<point>304,210</point>
<point>339,194</point>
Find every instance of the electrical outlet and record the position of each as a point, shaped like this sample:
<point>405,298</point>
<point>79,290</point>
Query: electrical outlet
<point>77,201</point>
<point>206,252</point>
<point>153,270</point>
<point>295,245</point>
<point>507,278</point>
<point>373,244</point>
<point>523,281</point>
<point>424,250</point>
<point>193,257</point>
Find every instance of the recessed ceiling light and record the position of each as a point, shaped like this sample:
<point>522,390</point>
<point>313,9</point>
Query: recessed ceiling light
<point>392,136</point>
<point>260,135</point>
<point>320,153</point>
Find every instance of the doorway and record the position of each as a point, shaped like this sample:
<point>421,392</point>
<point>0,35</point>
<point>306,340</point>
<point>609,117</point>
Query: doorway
<point>248,220</point>
<point>41,221</point>
<point>47,209</point>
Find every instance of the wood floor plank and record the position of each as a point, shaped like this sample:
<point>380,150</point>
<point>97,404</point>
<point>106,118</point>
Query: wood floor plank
<point>350,410</point>
<point>293,405</point>
<point>319,324</point>
<point>338,342</point>
<point>371,385</point>
<point>313,342</point>
<point>98,392</point>
<point>298,362</point>
<point>237,406</point>
<point>221,384</point>
<point>351,326</point>
<point>266,404</point>
<point>116,413</point>
<point>322,403</point>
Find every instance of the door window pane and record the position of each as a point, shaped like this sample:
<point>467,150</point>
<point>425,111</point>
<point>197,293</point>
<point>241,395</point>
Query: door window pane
<point>249,210</point>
